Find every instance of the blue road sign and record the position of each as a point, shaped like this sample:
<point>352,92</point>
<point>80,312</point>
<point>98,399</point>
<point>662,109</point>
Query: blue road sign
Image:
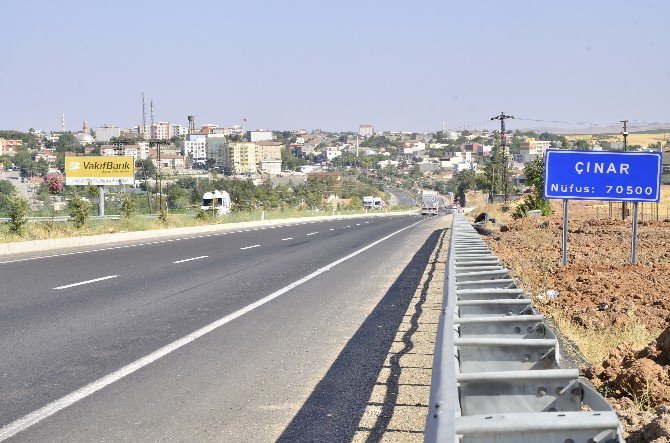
<point>602,175</point>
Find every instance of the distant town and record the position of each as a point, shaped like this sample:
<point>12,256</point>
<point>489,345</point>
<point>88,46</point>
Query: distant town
<point>445,160</point>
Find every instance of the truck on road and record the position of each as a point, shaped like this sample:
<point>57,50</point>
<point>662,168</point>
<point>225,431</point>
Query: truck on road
<point>430,202</point>
<point>371,202</point>
<point>216,201</point>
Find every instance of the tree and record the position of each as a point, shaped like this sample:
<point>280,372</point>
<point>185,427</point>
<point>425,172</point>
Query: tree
<point>148,167</point>
<point>78,209</point>
<point>535,200</point>
<point>18,211</point>
<point>6,190</point>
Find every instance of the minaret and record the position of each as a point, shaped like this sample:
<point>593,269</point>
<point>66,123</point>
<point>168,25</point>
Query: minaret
<point>62,122</point>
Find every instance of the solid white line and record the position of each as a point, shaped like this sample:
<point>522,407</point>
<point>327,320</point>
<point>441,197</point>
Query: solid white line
<point>86,282</point>
<point>312,233</point>
<point>249,247</point>
<point>25,422</point>
<point>190,259</point>
<point>287,238</point>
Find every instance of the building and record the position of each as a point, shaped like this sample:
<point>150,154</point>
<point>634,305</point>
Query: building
<point>268,150</point>
<point>240,157</point>
<point>195,147</point>
<point>270,166</point>
<point>215,147</point>
<point>170,161</point>
<point>9,146</point>
<point>259,135</point>
<point>106,133</point>
<point>530,150</point>
<point>139,151</point>
<point>332,153</point>
<point>161,131</point>
<point>366,130</point>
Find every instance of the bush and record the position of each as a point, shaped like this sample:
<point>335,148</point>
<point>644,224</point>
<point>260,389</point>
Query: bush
<point>18,211</point>
<point>78,209</point>
<point>127,206</point>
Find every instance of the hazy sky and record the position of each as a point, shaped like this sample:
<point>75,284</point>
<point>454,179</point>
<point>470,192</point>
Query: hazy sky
<point>407,65</point>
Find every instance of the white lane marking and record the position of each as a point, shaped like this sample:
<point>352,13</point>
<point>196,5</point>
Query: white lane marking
<point>249,247</point>
<point>287,238</point>
<point>348,226</point>
<point>331,229</point>
<point>35,417</point>
<point>358,224</point>
<point>146,243</point>
<point>190,259</point>
<point>367,223</point>
<point>312,233</point>
<point>86,282</point>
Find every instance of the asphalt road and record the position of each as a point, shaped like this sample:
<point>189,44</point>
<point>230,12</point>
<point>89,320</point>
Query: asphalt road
<point>403,199</point>
<point>228,336</point>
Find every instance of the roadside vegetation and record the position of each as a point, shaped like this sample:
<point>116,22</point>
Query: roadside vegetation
<point>321,195</point>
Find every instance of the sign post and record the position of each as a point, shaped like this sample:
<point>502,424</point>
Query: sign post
<point>564,255</point>
<point>602,175</point>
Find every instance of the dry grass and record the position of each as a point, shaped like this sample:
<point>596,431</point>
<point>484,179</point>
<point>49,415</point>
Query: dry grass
<point>596,344</point>
<point>633,139</point>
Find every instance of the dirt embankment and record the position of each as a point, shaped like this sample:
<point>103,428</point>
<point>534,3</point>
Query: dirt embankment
<point>617,313</point>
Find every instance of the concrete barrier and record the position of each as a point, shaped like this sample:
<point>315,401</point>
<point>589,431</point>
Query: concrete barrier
<point>102,239</point>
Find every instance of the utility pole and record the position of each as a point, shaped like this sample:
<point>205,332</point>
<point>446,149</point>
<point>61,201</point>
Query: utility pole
<point>625,148</point>
<point>505,172</point>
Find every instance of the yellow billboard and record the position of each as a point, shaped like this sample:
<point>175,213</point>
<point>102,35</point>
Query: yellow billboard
<point>100,170</point>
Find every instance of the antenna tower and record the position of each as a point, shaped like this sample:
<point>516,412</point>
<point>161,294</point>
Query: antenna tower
<point>144,115</point>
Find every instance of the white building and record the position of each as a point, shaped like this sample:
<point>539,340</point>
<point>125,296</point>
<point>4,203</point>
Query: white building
<point>332,153</point>
<point>530,150</point>
<point>195,148</point>
<point>259,135</point>
<point>272,167</point>
<point>366,130</point>
<point>106,133</point>
<point>161,131</point>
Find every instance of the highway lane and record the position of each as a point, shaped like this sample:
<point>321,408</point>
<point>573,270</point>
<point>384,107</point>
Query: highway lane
<point>57,340</point>
<point>402,197</point>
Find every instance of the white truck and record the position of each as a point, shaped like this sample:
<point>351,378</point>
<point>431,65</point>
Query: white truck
<point>371,202</point>
<point>431,201</point>
<point>217,201</point>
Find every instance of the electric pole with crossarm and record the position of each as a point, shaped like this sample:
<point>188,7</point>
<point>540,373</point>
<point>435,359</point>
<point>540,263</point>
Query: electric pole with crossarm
<point>505,170</point>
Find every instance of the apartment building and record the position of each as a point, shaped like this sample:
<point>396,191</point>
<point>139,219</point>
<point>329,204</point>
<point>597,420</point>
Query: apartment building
<point>240,157</point>
<point>9,146</point>
<point>532,149</point>
<point>268,150</point>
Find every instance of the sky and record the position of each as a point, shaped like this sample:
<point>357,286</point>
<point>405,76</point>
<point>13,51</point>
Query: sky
<point>333,65</point>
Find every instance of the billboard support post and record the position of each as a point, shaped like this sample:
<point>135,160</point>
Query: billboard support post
<point>564,257</point>
<point>633,248</point>
<point>101,201</point>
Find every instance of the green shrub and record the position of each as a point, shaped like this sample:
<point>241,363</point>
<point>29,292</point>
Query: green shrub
<point>127,206</point>
<point>18,211</point>
<point>78,209</point>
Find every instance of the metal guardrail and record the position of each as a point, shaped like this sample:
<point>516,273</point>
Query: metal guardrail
<point>497,375</point>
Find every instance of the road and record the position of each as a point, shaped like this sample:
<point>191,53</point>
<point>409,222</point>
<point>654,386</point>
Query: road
<point>402,198</point>
<point>251,335</point>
